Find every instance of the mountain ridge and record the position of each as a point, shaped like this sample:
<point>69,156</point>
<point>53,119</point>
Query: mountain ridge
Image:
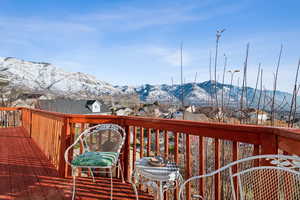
<point>43,76</point>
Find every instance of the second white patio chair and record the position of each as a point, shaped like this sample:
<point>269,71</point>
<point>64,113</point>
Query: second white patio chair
<point>278,179</point>
<point>101,149</point>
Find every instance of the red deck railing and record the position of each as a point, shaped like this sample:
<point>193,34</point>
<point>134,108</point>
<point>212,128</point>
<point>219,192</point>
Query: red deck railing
<point>189,143</point>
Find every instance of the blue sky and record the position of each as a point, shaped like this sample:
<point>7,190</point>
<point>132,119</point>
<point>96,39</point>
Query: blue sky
<point>137,41</point>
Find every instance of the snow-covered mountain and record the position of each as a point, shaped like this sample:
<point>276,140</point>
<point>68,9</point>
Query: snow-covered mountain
<point>202,93</point>
<point>40,76</point>
<point>45,77</point>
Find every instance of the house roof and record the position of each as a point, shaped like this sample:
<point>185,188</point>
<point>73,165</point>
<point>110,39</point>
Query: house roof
<point>33,95</point>
<point>90,102</point>
<point>70,106</point>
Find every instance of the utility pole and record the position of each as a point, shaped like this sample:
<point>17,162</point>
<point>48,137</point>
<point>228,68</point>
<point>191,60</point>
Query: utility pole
<point>232,72</point>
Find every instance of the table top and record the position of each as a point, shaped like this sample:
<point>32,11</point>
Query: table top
<point>166,173</point>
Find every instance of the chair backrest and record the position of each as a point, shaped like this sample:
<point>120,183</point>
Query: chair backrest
<point>103,138</point>
<point>278,178</point>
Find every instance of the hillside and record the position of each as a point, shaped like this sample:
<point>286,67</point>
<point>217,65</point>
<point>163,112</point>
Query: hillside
<point>45,77</point>
<point>40,76</point>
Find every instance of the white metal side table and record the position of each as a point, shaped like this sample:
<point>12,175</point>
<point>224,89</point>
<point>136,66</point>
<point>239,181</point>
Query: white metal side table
<point>159,179</point>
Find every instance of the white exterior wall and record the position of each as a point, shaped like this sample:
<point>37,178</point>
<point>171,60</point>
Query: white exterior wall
<point>96,107</point>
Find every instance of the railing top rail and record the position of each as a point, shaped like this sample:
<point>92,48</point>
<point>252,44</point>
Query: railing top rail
<point>8,108</point>
<point>210,128</point>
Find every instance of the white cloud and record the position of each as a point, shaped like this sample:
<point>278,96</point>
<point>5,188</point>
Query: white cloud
<point>42,25</point>
<point>167,55</point>
<point>128,18</point>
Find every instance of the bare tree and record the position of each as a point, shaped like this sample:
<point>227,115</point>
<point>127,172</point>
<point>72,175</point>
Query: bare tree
<point>264,101</point>
<point>275,87</point>
<point>218,36</point>
<point>260,94</point>
<point>244,84</point>
<point>10,94</point>
<point>181,78</point>
<point>257,78</point>
<point>210,79</point>
<point>295,106</point>
<point>294,94</point>
<point>222,97</point>
<point>281,105</point>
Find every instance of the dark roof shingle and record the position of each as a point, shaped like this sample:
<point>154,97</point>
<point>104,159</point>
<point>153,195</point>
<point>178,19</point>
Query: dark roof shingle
<point>70,106</point>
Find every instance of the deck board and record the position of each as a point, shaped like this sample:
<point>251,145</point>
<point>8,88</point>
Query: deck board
<point>26,174</point>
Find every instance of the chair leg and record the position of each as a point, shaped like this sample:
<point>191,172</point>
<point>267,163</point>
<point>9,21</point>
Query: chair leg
<point>111,184</point>
<point>74,183</point>
<point>91,171</point>
<point>121,172</point>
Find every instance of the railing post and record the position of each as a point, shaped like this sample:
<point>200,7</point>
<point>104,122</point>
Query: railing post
<point>22,117</point>
<point>202,162</point>
<point>30,123</point>
<point>126,154</point>
<point>63,169</point>
<point>269,145</point>
<point>235,157</point>
<point>188,167</point>
<point>217,166</point>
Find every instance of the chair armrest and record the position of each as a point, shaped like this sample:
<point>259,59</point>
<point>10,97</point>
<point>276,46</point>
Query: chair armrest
<point>68,149</point>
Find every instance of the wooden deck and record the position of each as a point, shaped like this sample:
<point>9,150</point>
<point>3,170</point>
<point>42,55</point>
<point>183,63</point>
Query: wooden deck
<point>26,173</point>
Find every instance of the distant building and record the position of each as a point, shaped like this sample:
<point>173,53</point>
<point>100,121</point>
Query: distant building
<point>31,95</point>
<point>191,109</point>
<point>124,112</point>
<point>84,107</point>
<point>261,116</point>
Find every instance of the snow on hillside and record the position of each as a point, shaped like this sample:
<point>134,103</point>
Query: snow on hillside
<point>151,93</point>
<point>126,89</point>
<point>47,77</point>
<point>41,76</point>
<point>197,94</point>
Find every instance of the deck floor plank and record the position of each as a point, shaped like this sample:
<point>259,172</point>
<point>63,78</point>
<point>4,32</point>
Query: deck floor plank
<point>5,188</point>
<point>27,174</point>
<point>17,172</point>
<point>35,191</point>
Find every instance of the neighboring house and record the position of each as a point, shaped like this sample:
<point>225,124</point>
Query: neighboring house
<point>32,95</point>
<point>191,109</point>
<point>261,116</point>
<point>196,117</point>
<point>124,112</point>
<point>84,107</point>
<point>177,115</point>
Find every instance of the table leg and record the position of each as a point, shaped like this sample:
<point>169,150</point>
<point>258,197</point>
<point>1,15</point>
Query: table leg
<point>133,184</point>
<point>161,194</point>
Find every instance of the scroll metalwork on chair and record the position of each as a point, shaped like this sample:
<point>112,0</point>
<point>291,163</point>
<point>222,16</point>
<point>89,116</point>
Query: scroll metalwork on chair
<point>277,177</point>
<point>101,149</point>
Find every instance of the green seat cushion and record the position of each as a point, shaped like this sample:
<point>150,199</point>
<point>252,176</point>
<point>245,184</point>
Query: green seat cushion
<point>102,159</point>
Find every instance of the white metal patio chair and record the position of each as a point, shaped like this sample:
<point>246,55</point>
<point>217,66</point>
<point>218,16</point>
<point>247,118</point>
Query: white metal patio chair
<point>101,149</point>
<point>278,179</point>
